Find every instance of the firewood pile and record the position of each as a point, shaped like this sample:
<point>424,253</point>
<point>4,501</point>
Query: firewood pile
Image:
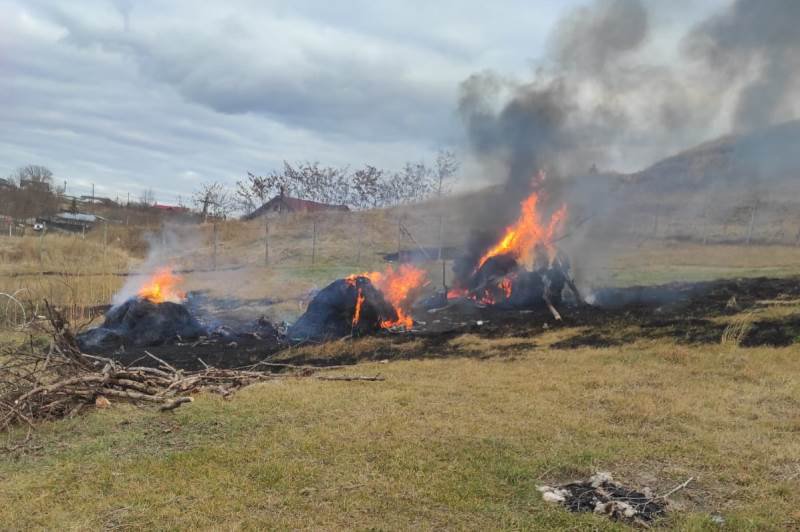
<point>60,381</point>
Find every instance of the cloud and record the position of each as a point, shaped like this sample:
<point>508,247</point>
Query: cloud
<point>129,95</point>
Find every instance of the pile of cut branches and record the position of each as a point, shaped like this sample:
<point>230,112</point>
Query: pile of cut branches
<point>60,381</point>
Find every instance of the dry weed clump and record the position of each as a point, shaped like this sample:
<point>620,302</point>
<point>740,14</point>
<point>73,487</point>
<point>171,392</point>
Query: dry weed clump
<point>737,330</point>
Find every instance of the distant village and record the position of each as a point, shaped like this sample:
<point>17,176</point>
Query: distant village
<point>31,200</point>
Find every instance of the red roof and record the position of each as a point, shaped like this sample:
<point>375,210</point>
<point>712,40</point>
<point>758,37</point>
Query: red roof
<point>174,208</point>
<point>295,205</point>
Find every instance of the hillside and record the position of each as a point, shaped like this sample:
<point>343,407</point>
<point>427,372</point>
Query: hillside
<point>768,155</point>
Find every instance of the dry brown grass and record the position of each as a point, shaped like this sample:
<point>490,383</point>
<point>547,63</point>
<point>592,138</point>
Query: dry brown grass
<point>64,269</point>
<point>449,443</point>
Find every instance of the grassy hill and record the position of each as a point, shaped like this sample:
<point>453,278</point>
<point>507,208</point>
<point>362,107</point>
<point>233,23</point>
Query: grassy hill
<point>768,156</point>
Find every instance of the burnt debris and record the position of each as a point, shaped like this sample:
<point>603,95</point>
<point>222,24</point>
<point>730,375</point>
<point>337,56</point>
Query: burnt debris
<point>601,495</point>
<point>504,283</point>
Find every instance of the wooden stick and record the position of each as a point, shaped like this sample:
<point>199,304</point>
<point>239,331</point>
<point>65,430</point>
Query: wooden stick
<point>349,378</point>
<point>550,306</point>
<point>293,366</point>
<point>151,355</point>
<point>676,488</point>
<point>175,403</point>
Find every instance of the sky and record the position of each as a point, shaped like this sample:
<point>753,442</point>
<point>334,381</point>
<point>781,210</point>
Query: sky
<point>133,95</point>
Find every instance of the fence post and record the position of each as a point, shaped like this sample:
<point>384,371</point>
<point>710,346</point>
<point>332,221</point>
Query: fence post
<point>399,237</point>
<point>359,243</point>
<point>214,248</point>
<point>41,248</point>
<point>266,242</point>
<point>655,219</point>
<point>750,227</point>
<point>314,242</point>
<point>105,243</point>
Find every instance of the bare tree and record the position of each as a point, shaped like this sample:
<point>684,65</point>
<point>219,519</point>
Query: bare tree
<point>445,171</point>
<point>34,176</point>
<point>368,183</point>
<point>213,199</point>
<point>364,188</point>
<point>411,184</point>
<point>29,193</point>
<point>147,198</point>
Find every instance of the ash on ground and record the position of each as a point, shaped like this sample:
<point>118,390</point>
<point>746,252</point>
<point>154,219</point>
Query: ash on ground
<point>601,495</point>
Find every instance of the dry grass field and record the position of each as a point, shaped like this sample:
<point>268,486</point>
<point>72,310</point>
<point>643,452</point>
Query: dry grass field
<point>457,443</point>
<point>448,442</point>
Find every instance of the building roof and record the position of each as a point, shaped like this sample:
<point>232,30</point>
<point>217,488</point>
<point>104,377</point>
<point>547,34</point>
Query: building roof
<point>173,208</point>
<point>294,205</point>
<point>77,217</point>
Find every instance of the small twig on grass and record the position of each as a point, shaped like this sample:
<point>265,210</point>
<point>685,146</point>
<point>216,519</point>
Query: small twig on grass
<point>292,366</point>
<point>676,489</point>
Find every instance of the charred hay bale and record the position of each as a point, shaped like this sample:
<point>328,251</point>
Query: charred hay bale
<point>141,323</point>
<point>330,314</point>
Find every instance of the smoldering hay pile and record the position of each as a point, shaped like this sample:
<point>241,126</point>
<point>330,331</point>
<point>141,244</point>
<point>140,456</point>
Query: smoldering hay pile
<point>153,317</point>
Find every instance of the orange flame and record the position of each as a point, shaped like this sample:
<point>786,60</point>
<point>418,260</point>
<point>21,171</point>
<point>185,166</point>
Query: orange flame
<point>521,238</point>
<point>396,286</point>
<point>359,301</point>
<point>162,286</point>
<point>506,284</point>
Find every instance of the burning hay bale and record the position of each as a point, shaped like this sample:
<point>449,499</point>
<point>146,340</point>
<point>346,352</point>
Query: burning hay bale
<point>522,269</point>
<point>344,307</point>
<point>361,304</point>
<point>601,495</point>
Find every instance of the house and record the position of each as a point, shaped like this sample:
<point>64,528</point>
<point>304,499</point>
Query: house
<point>171,209</point>
<point>68,221</point>
<point>6,183</point>
<point>98,200</point>
<point>282,204</point>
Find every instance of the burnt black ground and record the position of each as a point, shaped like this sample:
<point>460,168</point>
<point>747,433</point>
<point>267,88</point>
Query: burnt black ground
<point>686,319</point>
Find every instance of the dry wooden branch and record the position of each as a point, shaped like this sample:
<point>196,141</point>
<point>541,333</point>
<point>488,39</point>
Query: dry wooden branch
<point>62,381</point>
<point>551,308</point>
<point>175,403</point>
<point>349,378</point>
